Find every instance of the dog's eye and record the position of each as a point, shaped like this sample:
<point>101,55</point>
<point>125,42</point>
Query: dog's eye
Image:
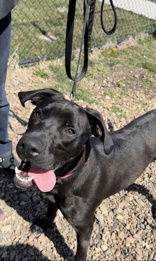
<point>69,131</point>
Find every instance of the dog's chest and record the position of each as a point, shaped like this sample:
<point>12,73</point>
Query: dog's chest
<point>59,194</point>
<point>68,203</point>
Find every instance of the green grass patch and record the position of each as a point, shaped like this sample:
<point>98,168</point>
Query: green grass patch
<point>115,109</point>
<point>86,95</point>
<point>96,67</point>
<point>149,66</point>
<point>118,111</point>
<point>146,82</point>
<point>58,71</point>
<point>122,84</point>
<point>61,82</point>
<point>65,89</point>
<point>110,94</point>
<point>141,55</point>
<point>41,73</point>
<point>65,85</point>
<point>39,28</point>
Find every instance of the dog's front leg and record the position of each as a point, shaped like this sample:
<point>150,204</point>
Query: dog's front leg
<point>47,220</point>
<point>83,240</point>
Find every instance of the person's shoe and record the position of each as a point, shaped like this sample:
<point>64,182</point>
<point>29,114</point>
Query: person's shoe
<point>8,164</point>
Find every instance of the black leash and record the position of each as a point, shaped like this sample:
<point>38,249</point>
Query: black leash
<point>111,31</point>
<point>88,17</point>
<point>24,123</point>
<point>89,8</point>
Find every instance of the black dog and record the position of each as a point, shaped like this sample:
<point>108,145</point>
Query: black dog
<point>69,154</point>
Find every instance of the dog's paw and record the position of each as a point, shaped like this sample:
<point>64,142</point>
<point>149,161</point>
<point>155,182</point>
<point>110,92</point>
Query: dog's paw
<point>44,223</point>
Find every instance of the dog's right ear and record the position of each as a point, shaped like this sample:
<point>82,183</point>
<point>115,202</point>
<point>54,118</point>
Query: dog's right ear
<point>99,130</point>
<point>38,96</point>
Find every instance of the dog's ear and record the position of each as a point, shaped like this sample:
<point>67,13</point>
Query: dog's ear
<point>38,96</point>
<point>99,130</point>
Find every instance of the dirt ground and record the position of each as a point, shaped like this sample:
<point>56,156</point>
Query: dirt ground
<point>125,226</point>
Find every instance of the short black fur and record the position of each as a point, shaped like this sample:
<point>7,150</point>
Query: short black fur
<point>60,132</point>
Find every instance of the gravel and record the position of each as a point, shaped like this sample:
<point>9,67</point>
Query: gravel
<point>125,224</point>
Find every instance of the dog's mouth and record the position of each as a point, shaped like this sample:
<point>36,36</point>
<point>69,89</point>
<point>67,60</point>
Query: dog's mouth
<point>44,180</point>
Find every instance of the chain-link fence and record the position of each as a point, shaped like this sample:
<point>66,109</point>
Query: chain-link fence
<point>39,27</point>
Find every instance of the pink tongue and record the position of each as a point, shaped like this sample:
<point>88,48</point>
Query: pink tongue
<point>45,180</point>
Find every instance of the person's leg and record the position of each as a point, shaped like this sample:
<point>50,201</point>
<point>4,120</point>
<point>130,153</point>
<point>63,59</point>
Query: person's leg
<point>5,36</point>
<point>7,161</point>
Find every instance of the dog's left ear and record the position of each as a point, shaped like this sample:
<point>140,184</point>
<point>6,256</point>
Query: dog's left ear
<point>38,96</point>
<point>99,130</point>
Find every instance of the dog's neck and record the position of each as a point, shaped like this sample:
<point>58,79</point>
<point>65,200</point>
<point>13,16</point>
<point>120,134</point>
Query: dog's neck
<point>72,166</point>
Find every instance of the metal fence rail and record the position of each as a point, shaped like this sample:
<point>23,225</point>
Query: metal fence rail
<point>39,26</point>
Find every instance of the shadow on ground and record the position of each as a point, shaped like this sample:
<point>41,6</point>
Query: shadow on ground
<point>30,204</point>
<point>35,206</point>
<point>146,193</point>
<point>13,252</point>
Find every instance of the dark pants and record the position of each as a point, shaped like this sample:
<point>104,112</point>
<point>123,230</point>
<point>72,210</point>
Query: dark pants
<point>5,36</point>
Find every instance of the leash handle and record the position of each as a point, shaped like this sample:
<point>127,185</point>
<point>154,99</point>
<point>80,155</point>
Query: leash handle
<point>89,10</point>
<point>111,31</point>
<point>84,44</point>
<point>89,6</point>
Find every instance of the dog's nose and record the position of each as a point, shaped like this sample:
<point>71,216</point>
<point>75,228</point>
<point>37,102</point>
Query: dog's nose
<point>29,148</point>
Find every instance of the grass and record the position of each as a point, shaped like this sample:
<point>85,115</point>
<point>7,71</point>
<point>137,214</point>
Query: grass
<point>149,66</point>
<point>109,94</point>
<point>146,82</point>
<point>64,85</point>
<point>32,20</point>
<point>122,84</point>
<point>87,96</point>
<point>115,109</point>
<point>41,73</point>
<point>118,111</point>
<point>61,82</point>
<point>141,55</point>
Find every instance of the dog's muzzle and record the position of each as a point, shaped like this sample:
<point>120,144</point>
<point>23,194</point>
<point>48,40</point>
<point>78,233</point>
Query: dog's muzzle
<point>29,148</point>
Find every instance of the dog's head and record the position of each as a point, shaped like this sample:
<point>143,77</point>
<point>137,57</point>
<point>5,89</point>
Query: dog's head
<point>57,132</point>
